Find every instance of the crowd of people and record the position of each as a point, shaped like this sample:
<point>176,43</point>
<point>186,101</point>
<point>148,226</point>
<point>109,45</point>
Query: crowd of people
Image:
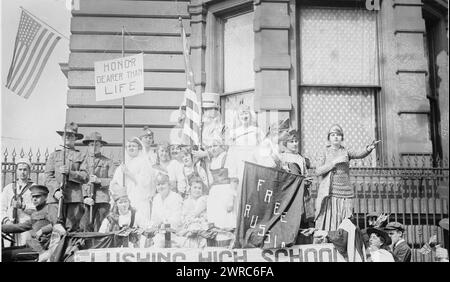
<point>190,192</point>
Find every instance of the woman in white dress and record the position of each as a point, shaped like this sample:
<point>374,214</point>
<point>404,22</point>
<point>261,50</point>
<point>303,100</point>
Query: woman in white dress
<point>163,158</point>
<point>139,180</point>
<point>242,142</point>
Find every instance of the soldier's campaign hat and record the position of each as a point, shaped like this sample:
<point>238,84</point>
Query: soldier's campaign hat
<point>120,193</point>
<point>94,136</point>
<point>210,100</point>
<point>38,190</point>
<point>147,132</point>
<point>71,128</point>
<point>380,232</point>
<point>24,161</point>
<point>394,226</point>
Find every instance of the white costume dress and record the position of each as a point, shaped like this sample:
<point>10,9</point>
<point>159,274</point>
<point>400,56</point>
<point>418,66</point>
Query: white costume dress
<point>166,211</point>
<point>140,193</point>
<point>221,196</point>
<point>243,143</point>
<point>266,153</point>
<point>194,219</point>
<point>381,255</point>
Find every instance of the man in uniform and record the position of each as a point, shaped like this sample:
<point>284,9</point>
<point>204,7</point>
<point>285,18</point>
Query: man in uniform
<point>96,191</point>
<point>400,249</point>
<point>73,207</point>
<point>40,226</point>
<point>16,199</point>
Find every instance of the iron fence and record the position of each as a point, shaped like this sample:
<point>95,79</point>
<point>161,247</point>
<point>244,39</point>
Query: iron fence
<point>408,188</point>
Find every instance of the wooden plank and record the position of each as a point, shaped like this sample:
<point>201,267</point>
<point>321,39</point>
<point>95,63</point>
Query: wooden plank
<point>132,8</point>
<point>83,79</point>
<point>113,25</point>
<point>114,116</point>
<point>85,97</point>
<point>105,43</point>
<point>169,62</point>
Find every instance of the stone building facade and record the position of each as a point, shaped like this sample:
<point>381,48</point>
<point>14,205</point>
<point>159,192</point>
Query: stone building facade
<point>379,68</point>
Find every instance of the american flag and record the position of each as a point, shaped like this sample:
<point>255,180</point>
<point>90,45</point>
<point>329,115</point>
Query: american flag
<point>33,46</point>
<point>192,100</point>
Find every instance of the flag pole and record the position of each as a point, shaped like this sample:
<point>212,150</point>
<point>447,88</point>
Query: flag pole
<point>123,114</point>
<point>65,37</point>
<point>188,68</point>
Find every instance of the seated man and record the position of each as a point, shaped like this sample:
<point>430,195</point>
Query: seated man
<point>40,226</point>
<point>166,211</point>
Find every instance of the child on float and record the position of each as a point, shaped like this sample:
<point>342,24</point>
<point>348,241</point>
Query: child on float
<point>166,212</point>
<point>221,197</point>
<point>190,169</point>
<point>194,214</point>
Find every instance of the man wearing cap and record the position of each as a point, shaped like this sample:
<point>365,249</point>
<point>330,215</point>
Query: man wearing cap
<point>40,225</point>
<point>17,196</point>
<point>400,249</point>
<point>96,191</point>
<point>149,144</point>
<point>73,206</point>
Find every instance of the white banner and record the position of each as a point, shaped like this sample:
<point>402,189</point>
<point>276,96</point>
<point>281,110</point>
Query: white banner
<point>119,78</point>
<point>299,253</point>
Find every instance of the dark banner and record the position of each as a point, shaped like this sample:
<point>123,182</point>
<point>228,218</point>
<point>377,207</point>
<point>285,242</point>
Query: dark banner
<point>270,209</point>
<point>74,242</point>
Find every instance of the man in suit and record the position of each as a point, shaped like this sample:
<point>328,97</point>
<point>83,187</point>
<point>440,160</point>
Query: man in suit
<point>400,249</point>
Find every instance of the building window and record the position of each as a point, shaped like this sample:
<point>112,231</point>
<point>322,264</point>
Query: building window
<point>238,53</point>
<point>352,108</point>
<point>230,56</point>
<point>339,76</point>
<point>238,72</point>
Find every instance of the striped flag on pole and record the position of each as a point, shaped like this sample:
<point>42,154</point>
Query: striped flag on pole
<point>33,46</point>
<point>192,100</point>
